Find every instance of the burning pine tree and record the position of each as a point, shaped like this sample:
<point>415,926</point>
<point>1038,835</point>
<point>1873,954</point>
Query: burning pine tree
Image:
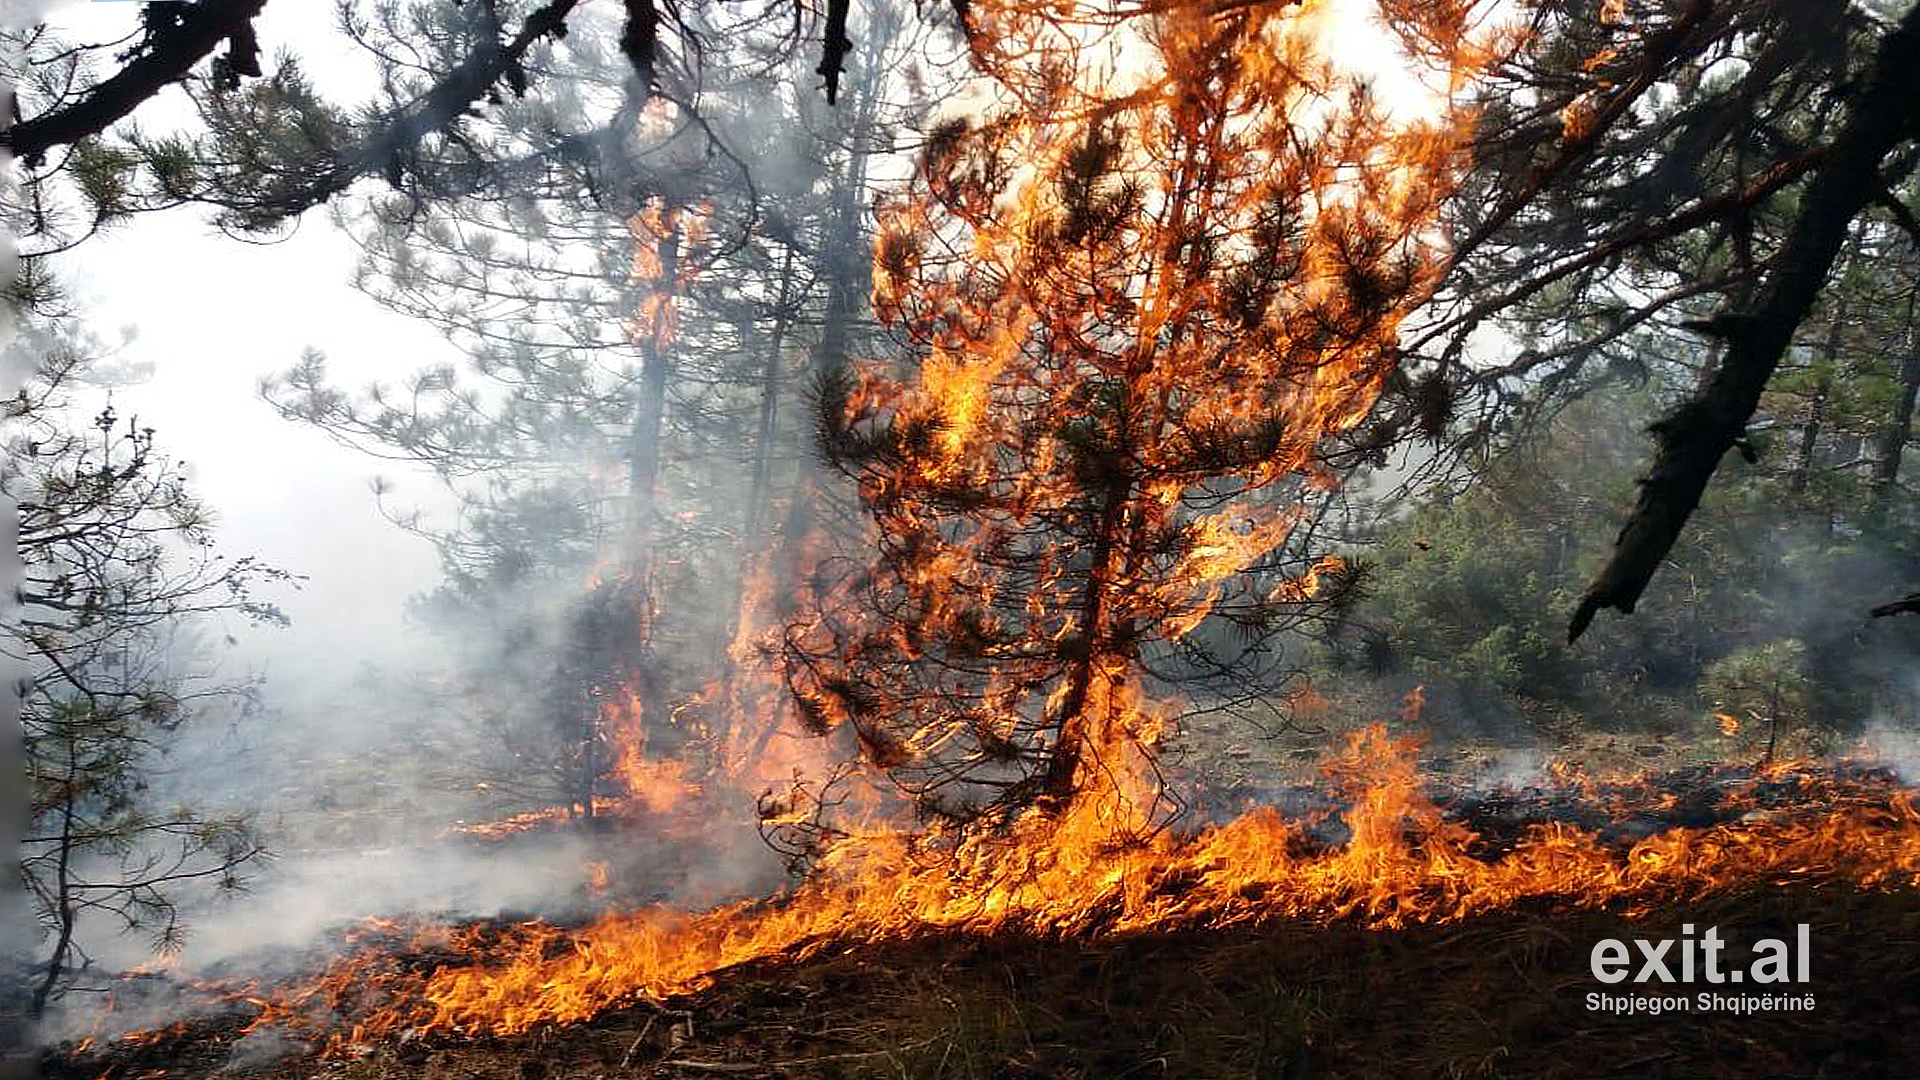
<point>1138,296</point>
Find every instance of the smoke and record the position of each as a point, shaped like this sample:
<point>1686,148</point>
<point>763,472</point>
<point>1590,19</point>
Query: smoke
<point>1515,769</point>
<point>366,737</point>
<point>17,14</point>
<point>288,916</point>
<point>373,737</point>
<point>17,930</point>
<point>1894,744</point>
<point>258,1049</point>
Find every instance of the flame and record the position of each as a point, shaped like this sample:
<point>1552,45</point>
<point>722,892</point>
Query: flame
<point>1577,117</point>
<point>1208,107</point>
<point>665,237</point>
<point>1405,863</point>
<point>1729,723</point>
<point>545,818</point>
<point>1144,287</point>
<point>1043,318</point>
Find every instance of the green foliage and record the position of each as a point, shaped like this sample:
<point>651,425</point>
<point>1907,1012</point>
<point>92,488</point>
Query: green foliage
<point>1765,596</point>
<point>119,570</point>
<point>104,175</point>
<point>1762,682</point>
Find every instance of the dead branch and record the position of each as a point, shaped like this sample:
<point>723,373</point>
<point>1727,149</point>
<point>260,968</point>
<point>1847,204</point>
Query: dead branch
<point>1910,604</point>
<point>203,27</point>
<point>1692,440</point>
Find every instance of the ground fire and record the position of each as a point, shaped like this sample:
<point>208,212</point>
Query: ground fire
<point>1162,294</point>
<point>1389,850</point>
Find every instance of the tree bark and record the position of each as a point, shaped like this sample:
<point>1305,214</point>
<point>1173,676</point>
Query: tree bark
<point>640,42</point>
<point>834,47</point>
<point>63,901</point>
<point>841,247</point>
<point>1692,440</point>
<point>1096,644</point>
<point>649,414</point>
<point>770,379</point>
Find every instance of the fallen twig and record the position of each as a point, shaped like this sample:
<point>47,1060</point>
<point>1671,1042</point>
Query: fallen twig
<point>627,1058</point>
<point>748,1067</point>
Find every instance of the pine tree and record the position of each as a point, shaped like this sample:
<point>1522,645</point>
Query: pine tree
<point>1132,318</point>
<point>119,571</point>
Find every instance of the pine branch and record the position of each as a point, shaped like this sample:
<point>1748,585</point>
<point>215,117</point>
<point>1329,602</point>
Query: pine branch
<point>386,149</point>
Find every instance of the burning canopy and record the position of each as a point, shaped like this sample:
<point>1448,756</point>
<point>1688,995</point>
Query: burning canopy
<point>1137,292</point>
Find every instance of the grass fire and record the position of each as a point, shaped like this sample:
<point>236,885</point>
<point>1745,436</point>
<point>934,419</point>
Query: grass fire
<point>995,539</point>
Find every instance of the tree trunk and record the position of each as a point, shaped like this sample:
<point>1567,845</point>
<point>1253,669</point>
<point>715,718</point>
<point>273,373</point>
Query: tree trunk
<point>841,246</point>
<point>1895,436</point>
<point>1096,644</point>
<point>1817,408</point>
<point>770,380</point>
<point>649,414</point>
<point>64,913</point>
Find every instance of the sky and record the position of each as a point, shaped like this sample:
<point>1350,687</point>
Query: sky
<point>212,315</point>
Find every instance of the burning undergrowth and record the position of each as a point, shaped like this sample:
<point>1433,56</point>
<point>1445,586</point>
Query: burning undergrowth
<point>1495,995</point>
<point>1387,854</point>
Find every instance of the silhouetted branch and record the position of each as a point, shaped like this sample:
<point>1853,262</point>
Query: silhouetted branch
<point>833,56</point>
<point>388,147</point>
<point>202,27</point>
<point>1910,604</point>
<point>1693,438</point>
<point>640,41</point>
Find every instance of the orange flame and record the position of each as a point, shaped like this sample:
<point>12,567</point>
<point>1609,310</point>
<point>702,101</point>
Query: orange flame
<point>984,409</point>
<point>1405,864</point>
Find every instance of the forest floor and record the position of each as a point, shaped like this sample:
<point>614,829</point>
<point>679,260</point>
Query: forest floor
<point>1503,995</point>
<point>1227,756</point>
<point>1498,996</point>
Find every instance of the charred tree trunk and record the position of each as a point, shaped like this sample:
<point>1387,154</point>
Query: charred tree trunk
<point>650,410</point>
<point>1095,645</point>
<point>63,900</point>
<point>753,550</point>
<point>587,783</point>
<point>1693,439</point>
<point>841,246</point>
<point>615,670</point>
<point>1809,438</point>
<point>640,43</point>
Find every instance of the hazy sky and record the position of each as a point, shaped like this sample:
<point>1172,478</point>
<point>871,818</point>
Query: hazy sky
<point>212,315</point>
